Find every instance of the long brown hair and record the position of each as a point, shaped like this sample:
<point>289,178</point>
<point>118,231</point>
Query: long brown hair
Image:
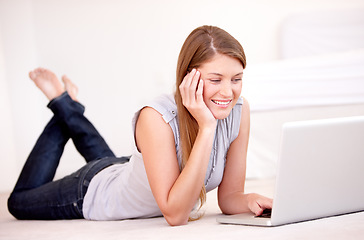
<point>199,47</point>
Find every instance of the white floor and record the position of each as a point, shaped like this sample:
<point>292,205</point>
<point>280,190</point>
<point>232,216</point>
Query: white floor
<point>343,227</point>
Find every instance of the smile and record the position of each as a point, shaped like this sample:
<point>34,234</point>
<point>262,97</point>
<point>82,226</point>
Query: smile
<point>222,103</point>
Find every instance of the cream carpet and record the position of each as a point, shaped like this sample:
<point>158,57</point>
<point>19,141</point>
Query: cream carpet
<point>343,227</point>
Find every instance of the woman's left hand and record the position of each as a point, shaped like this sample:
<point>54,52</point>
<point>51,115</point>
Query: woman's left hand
<point>257,203</point>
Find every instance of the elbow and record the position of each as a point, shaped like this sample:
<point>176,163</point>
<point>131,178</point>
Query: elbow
<point>227,211</point>
<point>176,222</point>
<point>176,219</point>
<point>224,210</point>
<point>175,212</point>
<point>226,206</point>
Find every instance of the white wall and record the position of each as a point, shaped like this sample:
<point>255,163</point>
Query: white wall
<point>8,164</point>
<point>19,122</point>
<point>120,53</point>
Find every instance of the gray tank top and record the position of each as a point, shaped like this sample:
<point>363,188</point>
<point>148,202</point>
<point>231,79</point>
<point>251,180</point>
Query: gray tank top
<point>122,191</point>
<point>226,132</point>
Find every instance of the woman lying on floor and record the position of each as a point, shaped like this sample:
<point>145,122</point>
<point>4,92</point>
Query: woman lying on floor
<point>186,144</point>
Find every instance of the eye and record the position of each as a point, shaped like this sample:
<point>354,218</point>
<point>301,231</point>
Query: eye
<point>215,80</point>
<point>236,80</point>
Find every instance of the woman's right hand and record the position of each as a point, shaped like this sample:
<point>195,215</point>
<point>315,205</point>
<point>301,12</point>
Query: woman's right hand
<point>191,90</point>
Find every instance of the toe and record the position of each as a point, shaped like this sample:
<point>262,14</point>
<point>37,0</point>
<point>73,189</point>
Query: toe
<point>65,79</point>
<point>31,75</point>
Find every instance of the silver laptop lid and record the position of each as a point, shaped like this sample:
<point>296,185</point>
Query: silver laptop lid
<point>320,170</point>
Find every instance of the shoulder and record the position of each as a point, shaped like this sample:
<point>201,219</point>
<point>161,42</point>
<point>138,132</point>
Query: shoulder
<point>245,109</point>
<point>234,121</point>
<point>241,104</point>
<point>244,127</point>
<point>239,122</point>
<point>149,118</point>
<point>237,109</point>
<point>159,115</point>
<point>151,127</point>
<point>166,106</point>
<point>241,110</point>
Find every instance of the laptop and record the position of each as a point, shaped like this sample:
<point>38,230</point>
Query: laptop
<point>320,173</point>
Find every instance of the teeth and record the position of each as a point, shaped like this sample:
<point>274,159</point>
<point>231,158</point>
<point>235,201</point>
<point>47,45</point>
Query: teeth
<point>221,103</point>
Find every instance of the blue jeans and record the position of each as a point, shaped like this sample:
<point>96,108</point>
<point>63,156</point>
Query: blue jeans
<point>36,195</point>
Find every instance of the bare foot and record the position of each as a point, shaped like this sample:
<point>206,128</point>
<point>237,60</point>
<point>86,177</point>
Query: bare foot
<point>47,82</point>
<point>70,87</point>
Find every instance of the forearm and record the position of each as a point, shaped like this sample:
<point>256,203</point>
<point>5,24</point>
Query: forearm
<point>185,191</point>
<point>238,202</point>
<point>234,203</point>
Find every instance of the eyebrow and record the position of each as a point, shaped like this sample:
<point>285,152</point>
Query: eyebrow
<point>219,74</point>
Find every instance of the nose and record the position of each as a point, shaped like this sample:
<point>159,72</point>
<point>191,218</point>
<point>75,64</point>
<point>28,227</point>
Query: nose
<point>226,89</point>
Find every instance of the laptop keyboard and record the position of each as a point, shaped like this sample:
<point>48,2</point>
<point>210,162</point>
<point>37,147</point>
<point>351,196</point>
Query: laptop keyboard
<point>266,214</point>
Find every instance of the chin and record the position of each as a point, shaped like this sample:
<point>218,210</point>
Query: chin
<point>221,115</point>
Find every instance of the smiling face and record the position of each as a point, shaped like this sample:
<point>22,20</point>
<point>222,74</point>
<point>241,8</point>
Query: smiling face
<point>222,77</point>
